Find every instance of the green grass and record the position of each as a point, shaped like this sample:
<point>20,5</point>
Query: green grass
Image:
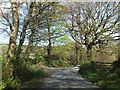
<point>100,74</point>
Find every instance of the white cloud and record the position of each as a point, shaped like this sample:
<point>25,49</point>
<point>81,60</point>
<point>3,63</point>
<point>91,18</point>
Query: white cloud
<point>5,6</point>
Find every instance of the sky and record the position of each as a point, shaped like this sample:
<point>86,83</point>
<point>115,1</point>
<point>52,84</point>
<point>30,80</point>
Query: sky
<point>4,39</point>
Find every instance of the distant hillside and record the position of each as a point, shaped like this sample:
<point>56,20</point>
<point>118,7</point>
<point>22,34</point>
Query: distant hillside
<point>105,55</point>
<point>3,48</point>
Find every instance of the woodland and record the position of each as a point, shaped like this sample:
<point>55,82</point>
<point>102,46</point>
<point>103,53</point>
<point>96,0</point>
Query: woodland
<point>59,35</point>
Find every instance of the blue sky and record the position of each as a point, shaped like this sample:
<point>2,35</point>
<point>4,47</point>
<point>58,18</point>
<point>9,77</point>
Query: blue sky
<point>4,39</point>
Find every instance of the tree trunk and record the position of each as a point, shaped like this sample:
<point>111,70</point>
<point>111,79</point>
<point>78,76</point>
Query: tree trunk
<point>27,52</point>
<point>77,53</point>
<point>13,36</point>
<point>89,52</point>
<point>14,31</point>
<point>49,48</point>
<point>22,38</point>
<point>49,41</point>
<point>49,44</point>
<point>80,55</point>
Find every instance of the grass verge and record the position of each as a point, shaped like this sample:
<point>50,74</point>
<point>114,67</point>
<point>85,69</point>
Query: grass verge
<point>101,75</point>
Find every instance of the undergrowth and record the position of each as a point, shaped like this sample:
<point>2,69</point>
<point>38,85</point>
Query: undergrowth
<point>25,73</point>
<point>100,74</point>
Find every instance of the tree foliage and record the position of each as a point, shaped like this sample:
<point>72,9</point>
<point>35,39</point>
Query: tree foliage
<point>93,24</point>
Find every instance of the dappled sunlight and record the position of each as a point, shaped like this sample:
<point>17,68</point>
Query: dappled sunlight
<point>66,78</point>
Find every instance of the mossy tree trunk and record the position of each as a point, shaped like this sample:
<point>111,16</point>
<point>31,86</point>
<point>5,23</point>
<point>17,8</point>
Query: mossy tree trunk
<point>13,36</point>
<point>14,30</point>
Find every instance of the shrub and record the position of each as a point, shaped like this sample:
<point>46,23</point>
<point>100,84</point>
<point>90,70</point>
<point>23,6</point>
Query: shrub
<point>36,71</point>
<point>52,57</point>
<point>64,63</point>
<point>35,59</point>
<point>26,72</point>
<point>23,72</point>
<point>87,65</point>
<point>99,74</point>
<point>58,63</point>
<point>7,78</point>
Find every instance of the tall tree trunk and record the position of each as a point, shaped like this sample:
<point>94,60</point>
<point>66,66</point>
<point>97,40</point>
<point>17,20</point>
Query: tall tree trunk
<point>29,46</point>
<point>13,36</point>
<point>14,30</point>
<point>49,41</point>
<point>80,55</point>
<point>49,44</point>
<point>89,52</point>
<point>49,47</point>
<point>77,53</point>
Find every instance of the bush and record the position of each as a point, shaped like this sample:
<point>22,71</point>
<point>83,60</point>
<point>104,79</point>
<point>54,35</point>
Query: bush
<point>99,74</point>
<point>64,63</point>
<point>23,72</point>
<point>87,65</point>
<point>52,57</point>
<point>2,85</point>
<point>36,71</point>
<point>7,78</point>
<point>58,63</point>
<point>36,59</point>
<point>26,72</point>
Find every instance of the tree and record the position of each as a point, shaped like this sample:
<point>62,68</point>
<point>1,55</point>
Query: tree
<point>37,22</point>
<point>94,23</point>
<point>13,20</point>
<point>52,28</point>
<point>30,24</point>
<point>13,27</point>
<point>24,29</point>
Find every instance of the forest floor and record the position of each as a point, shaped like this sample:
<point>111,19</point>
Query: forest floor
<point>65,78</point>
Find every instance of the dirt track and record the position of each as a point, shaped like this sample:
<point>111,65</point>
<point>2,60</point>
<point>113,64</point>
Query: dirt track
<point>65,78</point>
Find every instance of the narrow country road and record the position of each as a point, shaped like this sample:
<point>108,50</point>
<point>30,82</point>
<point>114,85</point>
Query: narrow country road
<point>65,78</point>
